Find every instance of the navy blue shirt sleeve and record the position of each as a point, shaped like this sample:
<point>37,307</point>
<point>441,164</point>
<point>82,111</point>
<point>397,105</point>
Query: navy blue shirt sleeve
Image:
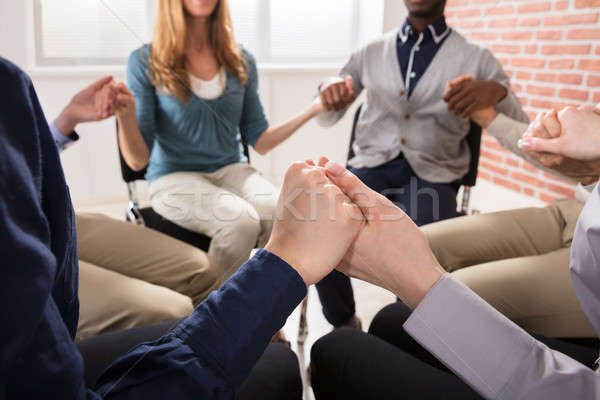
<point>211,353</point>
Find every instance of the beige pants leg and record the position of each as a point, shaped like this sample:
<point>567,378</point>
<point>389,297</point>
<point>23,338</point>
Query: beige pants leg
<point>535,292</point>
<point>518,261</point>
<point>234,206</point>
<point>110,301</point>
<point>145,254</point>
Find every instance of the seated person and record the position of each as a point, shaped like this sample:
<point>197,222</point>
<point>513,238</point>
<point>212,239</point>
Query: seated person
<point>215,352</point>
<point>454,345</point>
<point>408,145</point>
<point>518,260</point>
<point>128,275</point>
<point>194,99</point>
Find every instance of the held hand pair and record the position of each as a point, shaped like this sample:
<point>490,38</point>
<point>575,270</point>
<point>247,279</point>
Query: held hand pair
<point>567,141</point>
<point>351,228</point>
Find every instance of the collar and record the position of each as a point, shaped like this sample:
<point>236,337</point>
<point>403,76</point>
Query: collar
<point>439,30</point>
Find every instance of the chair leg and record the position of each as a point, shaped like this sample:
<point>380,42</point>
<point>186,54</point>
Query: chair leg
<point>303,324</point>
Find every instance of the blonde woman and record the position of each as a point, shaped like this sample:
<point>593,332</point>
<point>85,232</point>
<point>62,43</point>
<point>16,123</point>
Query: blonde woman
<point>194,98</point>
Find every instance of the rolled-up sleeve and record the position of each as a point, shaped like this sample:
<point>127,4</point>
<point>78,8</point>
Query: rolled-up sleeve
<point>491,353</point>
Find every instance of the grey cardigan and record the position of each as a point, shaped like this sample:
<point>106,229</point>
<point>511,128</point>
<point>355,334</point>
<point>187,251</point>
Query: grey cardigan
<point>431,137</point>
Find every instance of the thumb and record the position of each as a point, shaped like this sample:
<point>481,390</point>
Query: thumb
<point>552,124</point>
<point>349,85</point>
<point>353,187</point>
<point>540,145</point>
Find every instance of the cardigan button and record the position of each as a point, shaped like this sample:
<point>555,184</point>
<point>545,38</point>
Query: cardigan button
<point>402,92</point>
<point>407,116</point>
<point>403,141</point>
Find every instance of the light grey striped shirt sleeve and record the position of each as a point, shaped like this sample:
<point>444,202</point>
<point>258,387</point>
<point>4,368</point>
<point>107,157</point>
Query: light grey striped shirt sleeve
<point>495,356</point>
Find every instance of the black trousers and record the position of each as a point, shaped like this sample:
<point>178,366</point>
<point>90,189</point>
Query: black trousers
<point>389,364</point>
<point>275,376</point>
<point>425,202</point>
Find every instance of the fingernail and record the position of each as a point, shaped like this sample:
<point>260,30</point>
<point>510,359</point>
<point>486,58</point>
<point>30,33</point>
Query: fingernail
<point>524,144</point>
<point>334,168</point>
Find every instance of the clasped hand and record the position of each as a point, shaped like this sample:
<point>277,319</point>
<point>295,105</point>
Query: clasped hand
<point>567,141</point>
<point>327,218</point>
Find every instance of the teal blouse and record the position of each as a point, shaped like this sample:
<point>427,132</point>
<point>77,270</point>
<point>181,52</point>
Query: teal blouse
<point>200,135</point>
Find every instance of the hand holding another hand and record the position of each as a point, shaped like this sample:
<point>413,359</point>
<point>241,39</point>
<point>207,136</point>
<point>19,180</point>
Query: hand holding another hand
<point>84,106</point>
<point>124,101</point>
<point>337,93</point>
<point>390,251</point>
<point>566,142</point>
<point>466,95</point>
<point>315,222</point>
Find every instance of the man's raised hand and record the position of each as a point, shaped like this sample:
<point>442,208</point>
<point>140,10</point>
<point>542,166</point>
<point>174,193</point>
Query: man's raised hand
<point>337,93</point>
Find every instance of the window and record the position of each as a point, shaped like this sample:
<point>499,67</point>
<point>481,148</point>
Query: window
<point>89,32</point>
<point>104,32</point>
<point>307,31</point>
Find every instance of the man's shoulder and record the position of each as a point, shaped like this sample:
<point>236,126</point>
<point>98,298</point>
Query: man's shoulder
<point>456,39</point>
<point>377,44</point>
<point>12,78</point>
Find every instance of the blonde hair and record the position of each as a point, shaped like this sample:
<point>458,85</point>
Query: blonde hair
<point>168,57</point>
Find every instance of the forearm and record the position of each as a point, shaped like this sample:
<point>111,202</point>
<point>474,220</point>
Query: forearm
<point>276,135</point>
<point>216,347</point>
<point>131,142</point>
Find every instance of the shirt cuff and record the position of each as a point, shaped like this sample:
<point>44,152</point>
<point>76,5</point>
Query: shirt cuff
<point>469,336</point>
<point>62,141</point>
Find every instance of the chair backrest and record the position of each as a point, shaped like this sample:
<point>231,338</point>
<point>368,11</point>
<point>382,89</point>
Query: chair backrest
<point>129,175</point>
<point>473,140</point>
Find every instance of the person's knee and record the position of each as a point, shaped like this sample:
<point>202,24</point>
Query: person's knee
<point>243,228</point>
<point>177,306</point>
<point>276,375</point>
<point>327,351</point>
<point>327,355</point>
<point>389,320</point>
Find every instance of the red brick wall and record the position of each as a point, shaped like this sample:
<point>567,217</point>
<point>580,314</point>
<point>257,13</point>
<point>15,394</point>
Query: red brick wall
<point>551,51</point>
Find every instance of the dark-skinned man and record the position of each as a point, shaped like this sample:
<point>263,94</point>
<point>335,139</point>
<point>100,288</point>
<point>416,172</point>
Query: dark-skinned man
<point>410,137</point>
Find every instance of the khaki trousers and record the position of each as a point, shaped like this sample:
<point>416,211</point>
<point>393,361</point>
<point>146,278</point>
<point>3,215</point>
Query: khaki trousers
<point>130,276</point>
<point>518,261</point>
<point>234,206</point>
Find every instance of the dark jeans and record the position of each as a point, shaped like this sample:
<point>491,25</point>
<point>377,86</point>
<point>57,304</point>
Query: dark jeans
<point>423,201</point>
<point>275,376</point>
<point>389,364</point>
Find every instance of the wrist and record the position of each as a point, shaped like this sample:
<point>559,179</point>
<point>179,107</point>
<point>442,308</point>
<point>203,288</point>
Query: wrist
<point>414,291</point>
<point>289,257</point>
<point>66,121</point>
<point>485,118</point>
<point>125,116</point>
